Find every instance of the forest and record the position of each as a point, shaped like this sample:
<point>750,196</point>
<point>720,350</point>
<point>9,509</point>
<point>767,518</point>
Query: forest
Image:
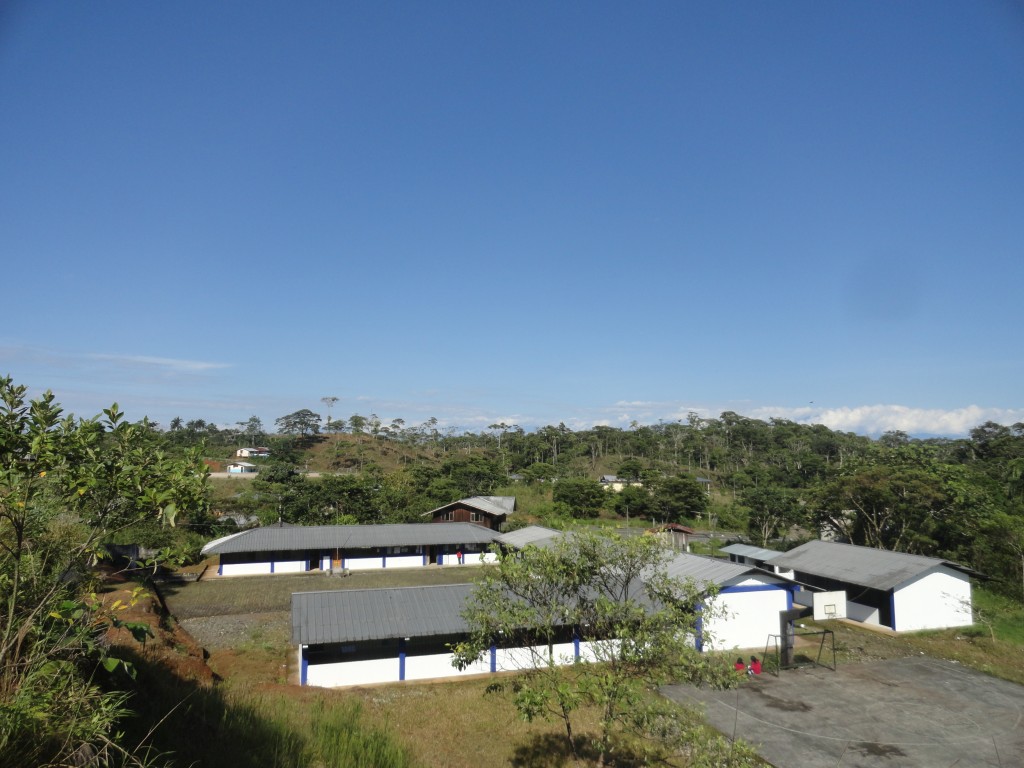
<point>71,487</point>
<point>774,482</point>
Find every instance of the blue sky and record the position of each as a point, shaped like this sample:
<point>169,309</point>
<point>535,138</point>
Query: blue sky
<point>527,212</point>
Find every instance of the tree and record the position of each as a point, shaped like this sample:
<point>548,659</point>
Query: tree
<point>772,510</point>
<point>614,596</point>
<point>65,484</point>
<point>329,402</point>
<point>357,423</point>
<point>679,497</point>
<point>585,497</point>
<point>252,429</point>
<point>633,500</point>
<point>630,469</point>
<point>303,423</point>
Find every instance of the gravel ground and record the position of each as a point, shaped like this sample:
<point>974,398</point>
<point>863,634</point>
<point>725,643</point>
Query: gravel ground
<point>239,630</point>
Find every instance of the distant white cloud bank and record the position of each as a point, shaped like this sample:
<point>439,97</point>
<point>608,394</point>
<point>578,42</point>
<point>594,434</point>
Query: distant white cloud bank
<point>876,419</point>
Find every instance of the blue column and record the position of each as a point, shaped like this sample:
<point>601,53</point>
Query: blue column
<point>271,566</point>
<point>494,658</point>
<point>401,659</point>
<point>576,645</point>
<point>892,609</point>
<point>304,673</point>
<point>383,560</point>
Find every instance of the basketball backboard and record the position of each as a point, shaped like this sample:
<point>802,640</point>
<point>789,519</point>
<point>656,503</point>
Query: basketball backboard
<point>829,605</point>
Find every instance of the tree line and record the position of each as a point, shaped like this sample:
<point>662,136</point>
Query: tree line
<point>772,480</point>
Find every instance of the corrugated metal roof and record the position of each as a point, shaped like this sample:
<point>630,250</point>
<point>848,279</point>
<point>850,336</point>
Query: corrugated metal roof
<point>863,566</point>
<point>348,616</point>
<point>747,550</point>
<point>274,538</point>
<point>492,505</point>
<point>353,615</point>
<point>531,534</point>
<point>710,570</point>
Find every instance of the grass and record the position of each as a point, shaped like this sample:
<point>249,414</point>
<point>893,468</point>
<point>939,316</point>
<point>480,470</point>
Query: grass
<point>450,724</point>
<point>246,728</point>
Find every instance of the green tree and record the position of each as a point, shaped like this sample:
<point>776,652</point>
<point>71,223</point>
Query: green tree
<point>303,423</point>
<point>540,471</point>
<point>678,497</point>
<point>585,497</point>
<point>630,469</point>
<point>329,403</point>
<point>772,511</point>
<point>253,430</point>
<point>633,500</point>
<point>65,484</point>
<point>612,594</point>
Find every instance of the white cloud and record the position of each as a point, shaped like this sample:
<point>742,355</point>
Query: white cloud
<point>167,364</point>
<point>876,419</point>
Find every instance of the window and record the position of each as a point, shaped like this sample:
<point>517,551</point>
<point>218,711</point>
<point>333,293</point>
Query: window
<point>448,516</point>
<point>475,517</point>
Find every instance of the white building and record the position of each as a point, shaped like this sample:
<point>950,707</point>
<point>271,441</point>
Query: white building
<point>298,548</point>
<point>890,589</point>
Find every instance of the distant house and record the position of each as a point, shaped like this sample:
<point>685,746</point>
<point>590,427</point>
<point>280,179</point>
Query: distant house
<point>890,589</point>
<point>615,483</point>
<point>252,453</point>
<point>488,511</point>
<point>241,467</point>
<point>674,535</point>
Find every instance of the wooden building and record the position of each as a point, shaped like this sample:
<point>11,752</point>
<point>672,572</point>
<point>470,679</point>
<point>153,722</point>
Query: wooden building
<point>488,511</point>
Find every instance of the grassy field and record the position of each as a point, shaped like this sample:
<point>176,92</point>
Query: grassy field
<point>456,724</point>
<point>243,623</point>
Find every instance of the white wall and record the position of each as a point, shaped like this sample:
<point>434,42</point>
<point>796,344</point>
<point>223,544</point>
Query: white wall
<point>746,619</point>
<point>437,665</point>
<point>404,561</point>
<point>244,569</point>
<point>511,659</point>
<point>863,613</point>
<point>363,563</point>
<point>425,667</point>
<point>607,649</point>
<point>368,672</point>
<point>937,599</point>
<point>258,569</point>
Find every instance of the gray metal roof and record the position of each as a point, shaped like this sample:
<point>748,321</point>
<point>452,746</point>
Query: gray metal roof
<point>531,534</point>
<point>353,615</point>
<point>492,505</point>
<point>273,538</point>
<point>747,550</point>
<point>710,570</point>
<point>348,616</point>
<point>863,566</point>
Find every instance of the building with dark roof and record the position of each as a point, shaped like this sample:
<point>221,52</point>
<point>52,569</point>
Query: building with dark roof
<point>362,637</point>
<point>892,589</point>
<point>299,548</point>
<point>488,511</point>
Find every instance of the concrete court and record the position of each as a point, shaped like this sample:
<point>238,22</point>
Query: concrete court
<point>911,713</point>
